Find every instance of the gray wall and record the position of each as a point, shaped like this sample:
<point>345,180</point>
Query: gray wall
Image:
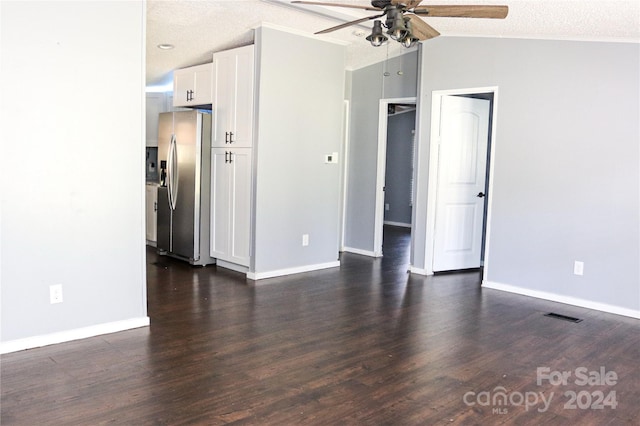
<point>368,86</point>
<point>566,183</point>
<point>72,169</point>
<point>300,108</point>
<point>399,170</point>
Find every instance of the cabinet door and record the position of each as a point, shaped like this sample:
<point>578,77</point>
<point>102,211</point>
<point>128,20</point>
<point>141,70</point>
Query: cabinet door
<point>220,203</point>
<point>163,215</point>
<point>183,84</point>
<point>151,198</point>
<point>240,215</point>
<point>233,98</point>
<point>242,124</point>
<point>202,75</point>
<point>224,64</point>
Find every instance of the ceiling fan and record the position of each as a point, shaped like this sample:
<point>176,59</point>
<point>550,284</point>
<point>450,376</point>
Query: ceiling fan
<point>402,21</point>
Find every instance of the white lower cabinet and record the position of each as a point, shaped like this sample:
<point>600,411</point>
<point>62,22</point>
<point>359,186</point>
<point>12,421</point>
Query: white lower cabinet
<point>231,204</point>
<point>151,198</point>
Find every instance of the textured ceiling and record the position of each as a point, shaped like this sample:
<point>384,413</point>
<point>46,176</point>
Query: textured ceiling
<point>199,28</point>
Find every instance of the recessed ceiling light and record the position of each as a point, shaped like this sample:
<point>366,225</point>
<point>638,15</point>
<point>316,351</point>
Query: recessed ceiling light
<point>165,46</point>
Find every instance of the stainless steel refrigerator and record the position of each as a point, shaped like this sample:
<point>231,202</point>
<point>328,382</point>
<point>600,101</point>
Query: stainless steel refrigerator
<point>184,159</point>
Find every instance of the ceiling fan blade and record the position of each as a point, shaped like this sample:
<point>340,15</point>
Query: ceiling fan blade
<point>348,24</point>
<point>421,30</point>
<point>353,6</point>
<point>475,11</point>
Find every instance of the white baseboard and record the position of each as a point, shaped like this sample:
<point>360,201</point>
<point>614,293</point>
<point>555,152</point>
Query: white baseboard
<point>419,271</point>
<point>568,300</point>
<point>290,271</point>
<point>232,266</point>
<point>401,224</point>
<point>362,252</point>
<point>69,335</point>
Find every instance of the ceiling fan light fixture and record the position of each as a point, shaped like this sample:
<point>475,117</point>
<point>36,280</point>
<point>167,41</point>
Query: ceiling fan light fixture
<point>409,40</point>
<point>398,30</point>
<point>377,37</point>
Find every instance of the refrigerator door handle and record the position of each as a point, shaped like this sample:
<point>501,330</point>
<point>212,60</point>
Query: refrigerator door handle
<point>168,177</point>
<point>172,172</point>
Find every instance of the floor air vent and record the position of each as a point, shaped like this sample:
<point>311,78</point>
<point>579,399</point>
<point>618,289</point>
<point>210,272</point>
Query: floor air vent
<point>562,317</point>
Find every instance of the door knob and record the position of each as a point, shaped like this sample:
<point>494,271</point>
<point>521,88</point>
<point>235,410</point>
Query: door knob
<point>480,195</point>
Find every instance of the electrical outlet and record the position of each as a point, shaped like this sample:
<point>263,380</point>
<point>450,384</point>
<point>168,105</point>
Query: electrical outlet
<point>578,268</point>
<point>55,293</point>
<point>331,158</point>
<point>305,240</point>
<point>386,206</point>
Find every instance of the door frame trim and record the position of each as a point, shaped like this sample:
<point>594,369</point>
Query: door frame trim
<point>344,171</point>
<point>436,102</point>
<point>381,168</point>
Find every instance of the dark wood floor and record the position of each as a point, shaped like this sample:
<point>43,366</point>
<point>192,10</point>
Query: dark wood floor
<point>364,344</point>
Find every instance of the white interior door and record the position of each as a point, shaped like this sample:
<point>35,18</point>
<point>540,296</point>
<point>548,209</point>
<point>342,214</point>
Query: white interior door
<point>462,162</point>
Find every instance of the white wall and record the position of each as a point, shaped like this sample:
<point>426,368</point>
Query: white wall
<point>71,169</point>
<point>566,182</point>
<point>299,120</point>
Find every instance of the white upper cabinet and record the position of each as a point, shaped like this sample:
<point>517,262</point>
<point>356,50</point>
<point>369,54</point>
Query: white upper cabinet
<point>193,86</point>
<point>233,97</point>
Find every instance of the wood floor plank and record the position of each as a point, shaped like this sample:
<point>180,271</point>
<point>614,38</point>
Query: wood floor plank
<point>363,344</point>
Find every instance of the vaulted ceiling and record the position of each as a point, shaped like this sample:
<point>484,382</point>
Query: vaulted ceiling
<point>197,28</point>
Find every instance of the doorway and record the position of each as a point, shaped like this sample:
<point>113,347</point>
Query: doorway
<point>460,170</point>
<point>398,107</point>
